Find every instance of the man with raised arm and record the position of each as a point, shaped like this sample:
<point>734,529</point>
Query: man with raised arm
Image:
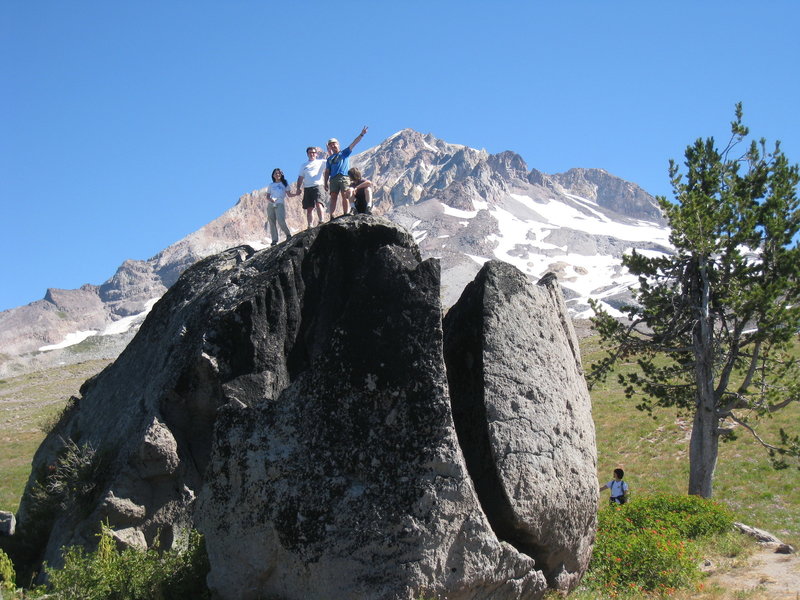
<point>337,166</point>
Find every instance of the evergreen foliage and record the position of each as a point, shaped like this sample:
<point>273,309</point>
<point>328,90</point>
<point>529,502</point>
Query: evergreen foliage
<point>713,323</point>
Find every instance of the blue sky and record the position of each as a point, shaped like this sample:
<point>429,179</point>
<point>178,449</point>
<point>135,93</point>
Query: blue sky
<point>128,125</point>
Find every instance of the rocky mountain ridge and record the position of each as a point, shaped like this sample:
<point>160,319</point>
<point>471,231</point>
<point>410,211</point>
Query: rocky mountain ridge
<point>464,206</point>
<point>410,167</point>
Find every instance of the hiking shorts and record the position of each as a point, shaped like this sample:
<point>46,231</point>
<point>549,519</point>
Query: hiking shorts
<point>339,183</point>
<point>312,196</point>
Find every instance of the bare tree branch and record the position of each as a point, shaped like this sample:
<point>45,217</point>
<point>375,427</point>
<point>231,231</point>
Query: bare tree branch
<point>754,434</point>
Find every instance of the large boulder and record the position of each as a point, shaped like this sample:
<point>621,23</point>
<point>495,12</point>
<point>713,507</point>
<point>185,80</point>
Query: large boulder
<point>8,523</point>
<point>349,482</point>
<point>132,449</point>
<point>523,415</point>
<point>293,405</point>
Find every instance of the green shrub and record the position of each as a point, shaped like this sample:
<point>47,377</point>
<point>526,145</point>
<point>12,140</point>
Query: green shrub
<point>110,574</point>
<point>74,477</point>
<point>690,516</point>
<point>70,483</point>
<point>7,575</point>
<point>647,544</point>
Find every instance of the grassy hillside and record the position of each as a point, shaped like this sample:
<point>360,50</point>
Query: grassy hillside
<point>28,404</point>
<point>653,451</point>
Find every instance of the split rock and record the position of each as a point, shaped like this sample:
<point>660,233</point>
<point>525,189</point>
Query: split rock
<point>523,415</point>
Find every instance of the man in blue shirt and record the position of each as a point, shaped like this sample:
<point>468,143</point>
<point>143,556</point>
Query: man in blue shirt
<point>336,180</point>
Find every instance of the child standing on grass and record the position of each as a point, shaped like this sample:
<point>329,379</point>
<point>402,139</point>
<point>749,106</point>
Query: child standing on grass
<point>619,489</point>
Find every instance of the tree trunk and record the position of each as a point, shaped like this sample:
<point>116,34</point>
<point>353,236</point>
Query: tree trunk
<point>704,443</point>
<point>703,449</point>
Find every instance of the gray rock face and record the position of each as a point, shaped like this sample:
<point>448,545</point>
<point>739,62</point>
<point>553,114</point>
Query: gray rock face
<point>765,538</point>
<point>8,523</point>
<point>623,197</point>
<point>293,405</point>
<point>352,476</point>
<point>140,433</point>
<point>523,416</point>
<point>761,536</point>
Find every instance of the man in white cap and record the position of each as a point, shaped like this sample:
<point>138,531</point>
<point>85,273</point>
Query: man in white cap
<point>336,180</point>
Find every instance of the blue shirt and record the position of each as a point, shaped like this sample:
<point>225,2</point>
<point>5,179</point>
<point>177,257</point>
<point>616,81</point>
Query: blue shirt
<point>618,488</point>
<point>339,163</point>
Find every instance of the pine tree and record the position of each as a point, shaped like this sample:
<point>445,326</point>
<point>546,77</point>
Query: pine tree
<point>713,324</point>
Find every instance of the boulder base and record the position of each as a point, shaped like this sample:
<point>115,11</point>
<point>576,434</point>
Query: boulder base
<point>293,404</point>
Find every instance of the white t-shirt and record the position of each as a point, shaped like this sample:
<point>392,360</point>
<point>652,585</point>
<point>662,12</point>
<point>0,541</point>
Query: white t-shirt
<point>277,191</point>
<point>313,172</point>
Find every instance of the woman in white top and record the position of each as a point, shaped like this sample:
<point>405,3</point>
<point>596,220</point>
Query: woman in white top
<point>276,209</point>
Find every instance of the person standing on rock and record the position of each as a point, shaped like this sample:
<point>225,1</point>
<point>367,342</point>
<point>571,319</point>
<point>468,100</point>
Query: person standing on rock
<point>619,489</point>
<point>276,207</point>
<point>336,179</point>
<point>362,192</point>
<point>310,181</point>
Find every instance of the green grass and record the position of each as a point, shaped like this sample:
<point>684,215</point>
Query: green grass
<point>654,452</point>
<point>28,403</point>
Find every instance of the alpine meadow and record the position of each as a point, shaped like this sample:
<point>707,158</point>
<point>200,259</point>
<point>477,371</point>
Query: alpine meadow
<point>712,326</point>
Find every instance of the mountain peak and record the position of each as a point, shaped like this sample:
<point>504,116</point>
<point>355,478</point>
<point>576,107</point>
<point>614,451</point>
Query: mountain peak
<point>410,142</point>
<point>464,205</point>
<point>611,192</point>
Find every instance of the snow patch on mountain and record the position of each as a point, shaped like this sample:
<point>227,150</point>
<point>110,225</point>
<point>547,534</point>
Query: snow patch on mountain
<point>70,340</point>
<point>457,212</point>
<point>560,215</point>
<point>479,260</point>
<point>116,328</point>
<point>125,324</point>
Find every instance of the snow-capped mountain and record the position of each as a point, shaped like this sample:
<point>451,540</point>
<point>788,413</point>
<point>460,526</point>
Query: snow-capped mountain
<point>466,206</point>
<point>463,205</point>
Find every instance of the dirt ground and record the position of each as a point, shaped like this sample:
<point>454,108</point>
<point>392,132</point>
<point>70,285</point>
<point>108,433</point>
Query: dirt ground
<point>765,576</point>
